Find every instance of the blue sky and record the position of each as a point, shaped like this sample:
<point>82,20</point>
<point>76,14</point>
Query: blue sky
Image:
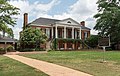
<point>79,10</point>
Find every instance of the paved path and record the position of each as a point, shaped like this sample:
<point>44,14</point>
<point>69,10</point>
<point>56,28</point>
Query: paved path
<point>48,68</point>
<point>17,52</point>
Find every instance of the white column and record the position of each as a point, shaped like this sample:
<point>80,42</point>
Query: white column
<point>56,32</point>
<point>65,32</point>
<point>75,33</point>
<point>80,33</point>
<point>72,32</point>
<point>52,32</point>
<point>62,33</point>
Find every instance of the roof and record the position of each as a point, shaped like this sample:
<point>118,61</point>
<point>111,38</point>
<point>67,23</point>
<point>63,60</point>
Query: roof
<point>68,19</point>
<point>48,21</point>
<point>85,28</point>
<point>7,39</point>
<point>44,21</point>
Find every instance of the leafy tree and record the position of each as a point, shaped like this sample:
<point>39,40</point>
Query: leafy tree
<point>7,12</point>
<point>30,37</point>
<point>92,41</point>
<point>108,19</point>
<point>6,29</point>
<point>10,32</point>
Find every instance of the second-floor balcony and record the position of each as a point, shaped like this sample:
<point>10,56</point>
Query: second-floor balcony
<point>72,33</point>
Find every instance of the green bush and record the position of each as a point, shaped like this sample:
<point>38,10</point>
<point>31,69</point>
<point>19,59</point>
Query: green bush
<point>10,48</point>
<point>92,41</point>
<point>2,51</point>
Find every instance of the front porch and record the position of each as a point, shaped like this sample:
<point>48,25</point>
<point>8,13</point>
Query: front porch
<point>67,44</point>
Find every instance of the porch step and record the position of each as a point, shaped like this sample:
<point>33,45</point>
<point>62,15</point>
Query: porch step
<point>85,45</point>
<point>48,45</point>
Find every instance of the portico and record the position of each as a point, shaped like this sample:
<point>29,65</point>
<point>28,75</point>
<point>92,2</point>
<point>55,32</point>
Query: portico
<point>72,32</point>
<point>67,32</point>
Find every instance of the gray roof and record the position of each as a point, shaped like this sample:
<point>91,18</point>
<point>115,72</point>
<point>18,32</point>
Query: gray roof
<point>7,39</point>
<point>85,28</point>
<point>44,21</point>
<point>48,21</point>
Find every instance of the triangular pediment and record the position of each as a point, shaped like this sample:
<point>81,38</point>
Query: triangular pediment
<point>68,21</point>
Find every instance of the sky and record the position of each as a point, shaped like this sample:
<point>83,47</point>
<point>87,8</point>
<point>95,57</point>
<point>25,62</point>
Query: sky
<point>79,10</point>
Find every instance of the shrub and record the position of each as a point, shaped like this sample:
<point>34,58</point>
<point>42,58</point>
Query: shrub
<point>10,48</point>
<point>2,51</point>
<point>92,41</point>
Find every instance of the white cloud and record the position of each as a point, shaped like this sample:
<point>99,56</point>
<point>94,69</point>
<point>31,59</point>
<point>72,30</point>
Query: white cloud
<point>84,10</point>
<point>33,9</point>
<point>79,7</point>
<point>23,5</point>
<point>45,7</point>
<point>16,32</point>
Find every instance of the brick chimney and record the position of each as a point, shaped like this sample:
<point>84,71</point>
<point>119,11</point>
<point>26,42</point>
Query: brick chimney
<point>82,23</point>
<point>25,20</point>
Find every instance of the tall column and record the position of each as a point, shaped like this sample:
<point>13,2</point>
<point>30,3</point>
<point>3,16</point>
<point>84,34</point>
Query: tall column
<point>72,32</point>
<point>52,32</point>
<point>65,32</point>
<point>75,33</point>
<point>56,32</point>
<point>80,33</point>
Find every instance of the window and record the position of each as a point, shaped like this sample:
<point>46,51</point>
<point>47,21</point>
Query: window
<point>69,33</point>
<point>69,22</point>
<point>85,35</point>
<point>48,32</point>
<point>59,33</point>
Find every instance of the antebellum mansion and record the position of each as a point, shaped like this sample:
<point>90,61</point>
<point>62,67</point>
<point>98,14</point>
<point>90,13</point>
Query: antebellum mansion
<point>67,34</point>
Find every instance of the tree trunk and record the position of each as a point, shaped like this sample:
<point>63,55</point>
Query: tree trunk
<point>3,33</point>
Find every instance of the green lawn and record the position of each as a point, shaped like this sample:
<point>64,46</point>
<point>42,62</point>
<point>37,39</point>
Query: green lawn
<point>10,67</point>
<point>87,61</point>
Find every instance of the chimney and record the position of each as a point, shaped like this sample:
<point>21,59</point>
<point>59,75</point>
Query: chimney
<point>25,20</point>
<point>82,23</point>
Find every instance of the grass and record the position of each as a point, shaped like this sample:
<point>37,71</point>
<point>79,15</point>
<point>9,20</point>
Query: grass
<point>87,61</point>
<point>10,67</point>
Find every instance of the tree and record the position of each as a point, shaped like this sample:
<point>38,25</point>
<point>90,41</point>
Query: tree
<point>108,19</point>
<point>3,28</point>
<point>30,37</point>
<point>10,32</point>
<point>6,29</point>
<point>7,12</point>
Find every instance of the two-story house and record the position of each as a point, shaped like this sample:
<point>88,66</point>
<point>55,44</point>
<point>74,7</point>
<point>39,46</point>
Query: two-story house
<point>67,33</point>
